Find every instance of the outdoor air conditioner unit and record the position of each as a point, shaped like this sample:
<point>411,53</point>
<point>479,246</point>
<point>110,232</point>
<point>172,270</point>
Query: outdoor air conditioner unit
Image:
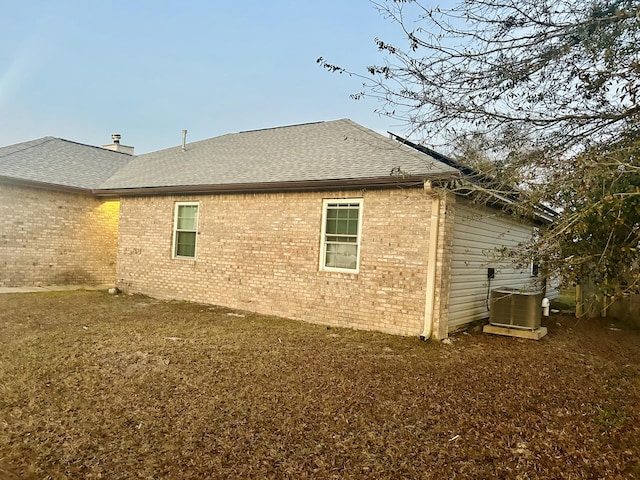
<point>514,308</point>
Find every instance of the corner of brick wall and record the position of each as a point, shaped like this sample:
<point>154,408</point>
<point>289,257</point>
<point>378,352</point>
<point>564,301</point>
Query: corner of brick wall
<point>56,238</point>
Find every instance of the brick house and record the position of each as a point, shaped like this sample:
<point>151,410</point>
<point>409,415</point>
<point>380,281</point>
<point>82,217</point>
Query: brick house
<point>327,222</point>
<point>54,229</point>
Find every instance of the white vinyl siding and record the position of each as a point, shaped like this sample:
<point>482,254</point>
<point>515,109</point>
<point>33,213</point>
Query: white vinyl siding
<point>478,231</point>
<point>341,226</point>
<point>185,230</point>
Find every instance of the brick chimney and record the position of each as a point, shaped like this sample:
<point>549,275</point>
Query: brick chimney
<point>117,147</point>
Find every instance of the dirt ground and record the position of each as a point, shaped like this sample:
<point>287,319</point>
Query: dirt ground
<point>122,387</point>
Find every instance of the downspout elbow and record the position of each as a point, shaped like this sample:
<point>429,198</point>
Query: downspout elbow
<point>428,187</point>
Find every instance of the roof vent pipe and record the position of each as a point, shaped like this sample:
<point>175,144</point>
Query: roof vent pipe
<point>184,139</point>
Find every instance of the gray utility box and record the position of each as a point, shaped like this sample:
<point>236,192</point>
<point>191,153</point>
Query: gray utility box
<point>515,308</point>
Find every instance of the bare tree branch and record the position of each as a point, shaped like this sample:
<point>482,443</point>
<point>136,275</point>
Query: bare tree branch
<point>549,89</point>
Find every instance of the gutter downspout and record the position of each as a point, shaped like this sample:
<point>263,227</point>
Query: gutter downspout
<point>430,294</point>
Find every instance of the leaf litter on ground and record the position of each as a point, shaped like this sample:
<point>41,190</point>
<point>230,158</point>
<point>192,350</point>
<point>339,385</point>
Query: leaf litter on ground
<point>155,390</point>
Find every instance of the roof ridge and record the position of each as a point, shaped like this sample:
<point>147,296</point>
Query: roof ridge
<point>49,138</point>
<point>379,137</point>
<point>93,146</point>
<point>370,133</point>
<point>279,127</point>
<point>31,143</point>
<point>231,134</point>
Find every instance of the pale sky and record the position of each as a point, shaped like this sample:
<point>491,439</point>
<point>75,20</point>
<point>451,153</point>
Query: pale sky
<point>84,69</point>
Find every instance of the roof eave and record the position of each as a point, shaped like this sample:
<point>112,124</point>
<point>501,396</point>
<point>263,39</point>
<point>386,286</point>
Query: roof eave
<point>22,182</point>
<point>506,199</point>
<point>404,181</point>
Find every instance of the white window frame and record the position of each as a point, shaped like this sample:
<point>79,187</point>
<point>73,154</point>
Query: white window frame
<point>175,230</point>
<point>534,267</point>
<point>326,203</point>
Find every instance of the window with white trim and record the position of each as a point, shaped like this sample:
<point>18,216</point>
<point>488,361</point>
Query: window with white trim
<point>185,230</point>
<point>535,267</point>
<point>341,226</point>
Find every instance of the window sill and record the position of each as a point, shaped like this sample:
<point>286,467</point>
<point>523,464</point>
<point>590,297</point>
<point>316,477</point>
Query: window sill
<point>339,271</point>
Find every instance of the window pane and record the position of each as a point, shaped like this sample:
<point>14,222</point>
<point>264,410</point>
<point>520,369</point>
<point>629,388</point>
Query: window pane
<point>329,259</point>
<point>186,244</point>
<point>332,226</point>
<point>341,256</point>
<point>342,221</point>
<point>187,217</point>
<point>352,227</point>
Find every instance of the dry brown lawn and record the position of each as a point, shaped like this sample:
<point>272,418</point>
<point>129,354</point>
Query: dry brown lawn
<point>96,386</point>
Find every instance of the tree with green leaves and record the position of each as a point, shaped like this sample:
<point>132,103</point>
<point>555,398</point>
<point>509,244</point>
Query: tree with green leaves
<point>549,90</point>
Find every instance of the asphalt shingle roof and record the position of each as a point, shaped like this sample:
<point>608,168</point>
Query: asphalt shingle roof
<point>60,162</point>
<point>335,150</point>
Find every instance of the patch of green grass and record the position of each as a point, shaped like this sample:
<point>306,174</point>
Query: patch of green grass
<point>611,417</point>
<point>564,302</point>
